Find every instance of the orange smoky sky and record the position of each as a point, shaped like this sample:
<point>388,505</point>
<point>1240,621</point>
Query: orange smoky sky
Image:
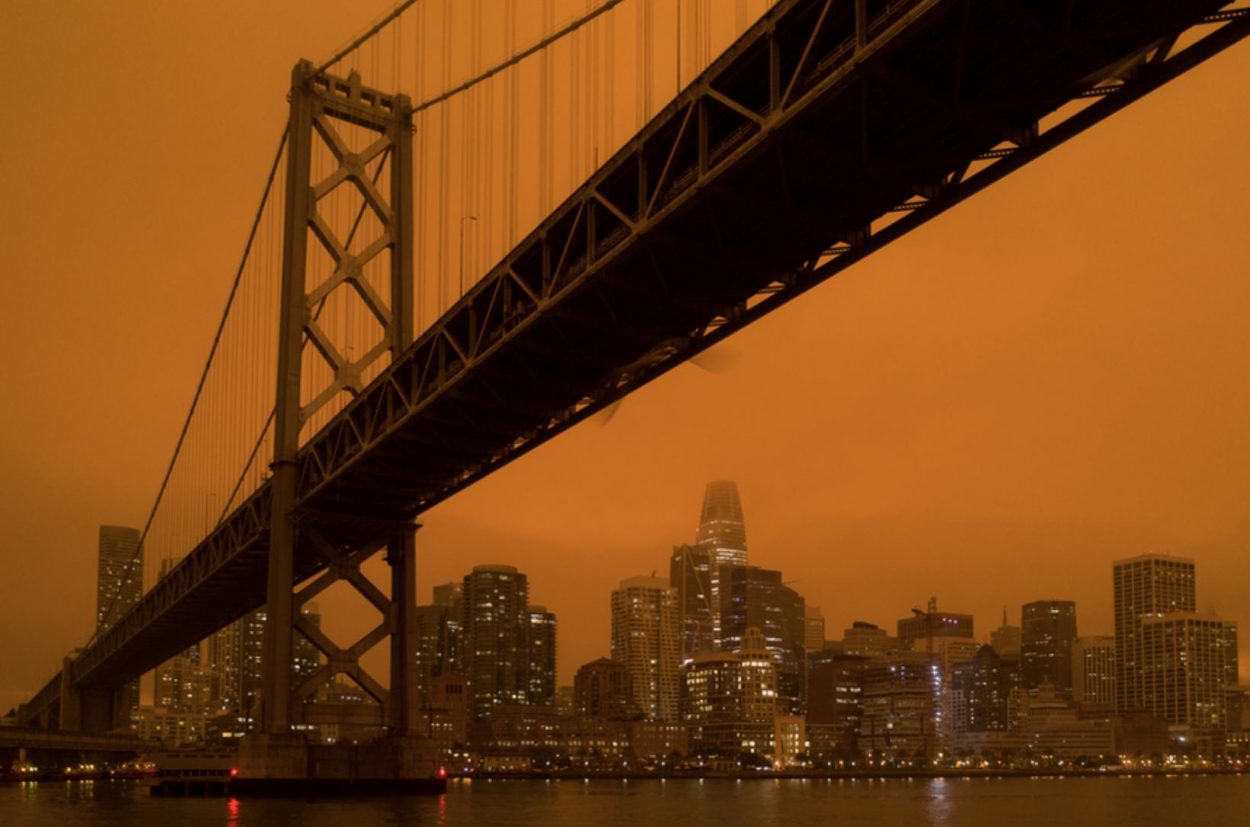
<point>1049,377</point>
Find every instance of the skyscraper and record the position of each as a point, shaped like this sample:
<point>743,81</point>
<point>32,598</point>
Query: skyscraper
<point>1093,673</point>
<point>902,709</point>
<point>1047,630</point>
<point>119,585</point>
<point>541,647</point>
<point>646,638</point>
<point>757,598</point>
<point>690,574</point>
<point>508,651</point>
<point>251,643</point>
<point>722,531</point>
<point>439,646</point>
<point>1151,584</point>
<point>721,526</point>
<point>1182,670</point>
<point>813,629</point>
<point>731,698</point>
<point>1232,662</point>
<point>119,576</point>
<point>224,656</point>
<point>989,699</point>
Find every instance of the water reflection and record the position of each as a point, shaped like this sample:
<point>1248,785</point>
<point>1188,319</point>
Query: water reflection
<point>938,801</point>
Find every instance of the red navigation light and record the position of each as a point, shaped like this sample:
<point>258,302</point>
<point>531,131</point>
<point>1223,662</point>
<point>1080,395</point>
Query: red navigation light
<point>442,772</point>
<point>234,772</point>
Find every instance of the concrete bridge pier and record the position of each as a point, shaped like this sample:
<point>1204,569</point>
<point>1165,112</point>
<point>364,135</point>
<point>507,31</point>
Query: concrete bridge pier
<point>91,711</point>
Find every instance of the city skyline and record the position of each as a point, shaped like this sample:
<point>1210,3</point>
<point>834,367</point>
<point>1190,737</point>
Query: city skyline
<point>946,410</point>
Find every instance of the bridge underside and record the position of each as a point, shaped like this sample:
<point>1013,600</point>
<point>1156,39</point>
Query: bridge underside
<point>816,139</point>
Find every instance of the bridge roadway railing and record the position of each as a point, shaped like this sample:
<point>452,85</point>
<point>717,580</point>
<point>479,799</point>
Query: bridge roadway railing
<point>826,131</point>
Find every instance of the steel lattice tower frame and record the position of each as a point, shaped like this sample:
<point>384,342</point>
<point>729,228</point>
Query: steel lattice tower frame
<point>320,105</point>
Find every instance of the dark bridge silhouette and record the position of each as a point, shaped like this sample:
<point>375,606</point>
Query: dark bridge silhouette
<point>828,130</point>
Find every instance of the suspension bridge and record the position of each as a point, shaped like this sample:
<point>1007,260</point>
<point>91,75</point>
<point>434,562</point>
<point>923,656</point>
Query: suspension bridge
<point>487,220</point>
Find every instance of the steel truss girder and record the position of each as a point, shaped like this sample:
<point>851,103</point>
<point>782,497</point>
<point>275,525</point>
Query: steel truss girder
<point>684,151</point>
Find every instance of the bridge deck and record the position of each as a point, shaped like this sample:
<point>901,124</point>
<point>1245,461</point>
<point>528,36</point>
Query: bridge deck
<point>772,171</point>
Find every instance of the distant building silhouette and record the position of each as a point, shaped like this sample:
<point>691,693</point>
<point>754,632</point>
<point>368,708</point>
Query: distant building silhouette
<point>932,623</point>
<point>646,638</point>
<point>1048,628</point>
<point>1006,638</point>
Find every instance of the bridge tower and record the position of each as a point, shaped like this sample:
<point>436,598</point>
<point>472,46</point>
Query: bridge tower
<point>334,110</point>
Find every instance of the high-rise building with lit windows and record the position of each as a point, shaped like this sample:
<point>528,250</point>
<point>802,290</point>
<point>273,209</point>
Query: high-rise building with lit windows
<point>1047,629</point>
<point>119,585</point>
<point>1093,673</point>
<point>1145,586</point>
<point>1232,662</point>
<point>690,575</point>
<point>496,623</point>
<point>507,648</point>
<point>721,525</point>
<point>646,638</point>
<point>1182,675</point>
<point>722,532</point>
<point>119,578</point>
<point>901,700</point>
<point>731,698</point>
<point>756,598</point>
<point>439,646</point>
<point>813,629</point>
<point>540,644</point>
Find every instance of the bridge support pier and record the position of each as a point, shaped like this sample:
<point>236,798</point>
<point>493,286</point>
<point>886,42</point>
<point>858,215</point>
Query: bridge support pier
<point>91,711</point>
